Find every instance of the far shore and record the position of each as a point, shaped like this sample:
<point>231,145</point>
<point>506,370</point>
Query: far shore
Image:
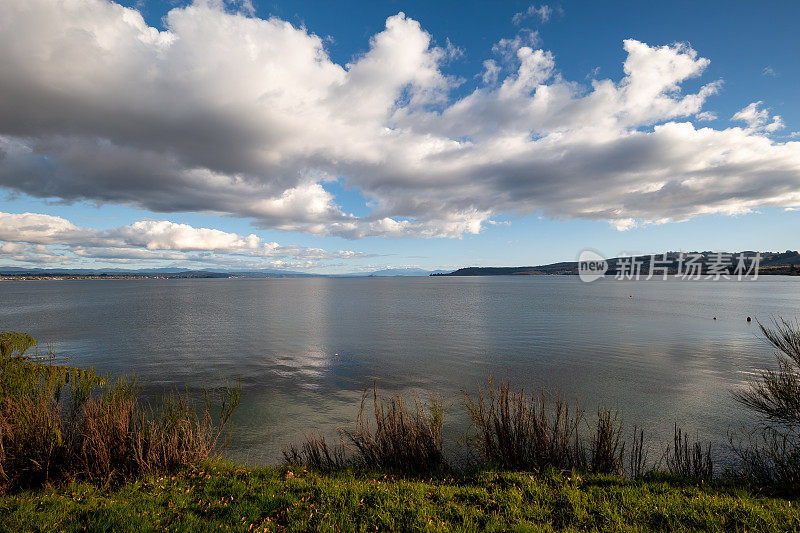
<point>73,277</point>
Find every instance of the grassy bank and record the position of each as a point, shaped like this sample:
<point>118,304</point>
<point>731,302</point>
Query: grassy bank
<point>80,452</point>
<point>217,496</point>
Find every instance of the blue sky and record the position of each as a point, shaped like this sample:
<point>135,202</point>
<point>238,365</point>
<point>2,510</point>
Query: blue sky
<point>519,213</point>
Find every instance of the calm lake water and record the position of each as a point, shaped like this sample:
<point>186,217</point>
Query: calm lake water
<point>304,349</point>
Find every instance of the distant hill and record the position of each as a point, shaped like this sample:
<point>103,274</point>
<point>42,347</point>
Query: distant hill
<point>772,263</point>
<point>541,270</point>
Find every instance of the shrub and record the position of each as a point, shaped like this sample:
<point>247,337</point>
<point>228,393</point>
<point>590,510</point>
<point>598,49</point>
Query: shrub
<point>769,457</point>
<point>99,431</point>
<point>771,452</point>
<point>776,395</point>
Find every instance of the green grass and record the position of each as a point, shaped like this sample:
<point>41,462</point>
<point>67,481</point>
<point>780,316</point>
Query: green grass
<point>220,496</point>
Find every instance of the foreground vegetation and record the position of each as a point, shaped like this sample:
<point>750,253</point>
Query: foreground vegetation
<point>59,423</point>
<point>227,497</point>
<point>79,451</point>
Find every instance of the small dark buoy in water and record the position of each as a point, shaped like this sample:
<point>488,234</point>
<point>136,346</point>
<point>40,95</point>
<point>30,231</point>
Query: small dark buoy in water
<point>749,319</point>
<point>715,318</point>
<point>630,296</point>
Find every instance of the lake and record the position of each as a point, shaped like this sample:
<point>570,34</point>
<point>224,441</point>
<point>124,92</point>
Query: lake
<point>304,349</point>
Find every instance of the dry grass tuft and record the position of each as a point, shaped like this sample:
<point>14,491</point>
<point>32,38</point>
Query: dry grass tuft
<point>406,436</point>
<point>607,451</point>
<point>59,423</point>
<point>394,434</point>
<point>520,432</point>
<point>690,460</point>
<point>315,452</point>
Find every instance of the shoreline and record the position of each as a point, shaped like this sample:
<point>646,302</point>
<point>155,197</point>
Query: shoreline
<point>99,277</point>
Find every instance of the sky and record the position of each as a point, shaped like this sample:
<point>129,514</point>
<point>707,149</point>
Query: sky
<point>338,137</point>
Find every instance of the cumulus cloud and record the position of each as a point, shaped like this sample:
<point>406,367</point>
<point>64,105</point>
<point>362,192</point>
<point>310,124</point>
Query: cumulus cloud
<point>225,113</point>
<point>40,238</point>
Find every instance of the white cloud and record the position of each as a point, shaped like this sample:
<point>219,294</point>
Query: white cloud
<point>229,114</point>
<point>507,48</point>
<point>29,253</point>
<point>165,235</point>
<point>37,228</point>
<point>706,116</point>
<point>491,70</point>
<point>758,119</point>
<point>31,237</point>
